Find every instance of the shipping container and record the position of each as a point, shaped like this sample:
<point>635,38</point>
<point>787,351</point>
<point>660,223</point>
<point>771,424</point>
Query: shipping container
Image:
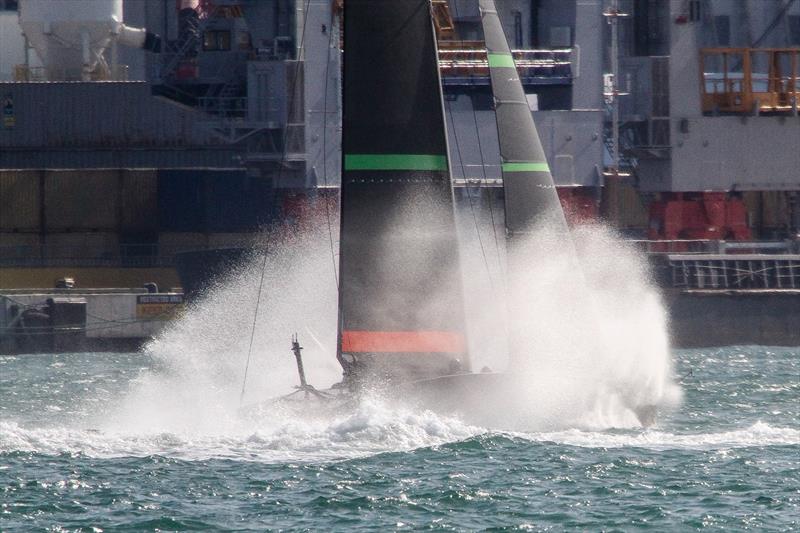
<point>19,249</point>
<point>10,240</point>
<point>139,201</point>
<point>181,200</point>
<point>82,200</point>
<point>237,202</point>
<point>20,208</point>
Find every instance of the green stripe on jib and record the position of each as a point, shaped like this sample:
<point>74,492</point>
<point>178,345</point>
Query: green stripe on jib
<point>395,162</point>
<point>501,60</point>
<point>526,167</point>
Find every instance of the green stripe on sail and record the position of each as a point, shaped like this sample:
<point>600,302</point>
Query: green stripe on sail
<point>395,162</point>
<point>526,167</point>
<point>501,60</point>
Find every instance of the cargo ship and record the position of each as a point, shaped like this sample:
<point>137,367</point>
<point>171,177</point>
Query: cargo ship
<point>191,125</point>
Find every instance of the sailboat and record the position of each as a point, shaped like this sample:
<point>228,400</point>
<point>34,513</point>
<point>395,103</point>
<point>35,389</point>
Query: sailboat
<point>401,324</point>
<point>400,301</point>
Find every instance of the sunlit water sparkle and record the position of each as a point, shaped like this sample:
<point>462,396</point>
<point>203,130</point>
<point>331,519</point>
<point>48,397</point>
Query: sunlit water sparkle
<point>727,458</point>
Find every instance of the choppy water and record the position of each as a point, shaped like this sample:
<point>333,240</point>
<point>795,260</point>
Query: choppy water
<point>72,458</point>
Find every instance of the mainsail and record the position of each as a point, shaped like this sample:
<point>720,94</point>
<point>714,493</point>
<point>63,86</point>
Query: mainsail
<point>530,193</point>
<point>400,300</point>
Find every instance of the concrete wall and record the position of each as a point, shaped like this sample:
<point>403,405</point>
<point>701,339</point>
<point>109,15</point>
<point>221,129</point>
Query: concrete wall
<point>684,72</point>
<point>587,89</point>
<point>736,153</point>
<point>573,142</point>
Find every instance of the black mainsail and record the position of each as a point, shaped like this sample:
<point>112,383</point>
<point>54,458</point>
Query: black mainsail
<point>530,193</point>
<point>400,301</point>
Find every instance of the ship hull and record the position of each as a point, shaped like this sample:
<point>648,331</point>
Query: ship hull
<point>706,318</point>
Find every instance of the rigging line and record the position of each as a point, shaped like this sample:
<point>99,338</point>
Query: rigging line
<point>325,143</point>
<point>773,24</point>
<point>491,199</point>
<point>469,195</point>
<point>281,165</point>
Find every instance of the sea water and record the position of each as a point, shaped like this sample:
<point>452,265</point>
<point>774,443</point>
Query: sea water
<point>73,457</point>
<point>155,440</point>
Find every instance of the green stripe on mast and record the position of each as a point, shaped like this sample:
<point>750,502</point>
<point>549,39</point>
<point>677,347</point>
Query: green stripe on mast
<point>395,162</point>
<point>526,167</point>
<point>501,60</point>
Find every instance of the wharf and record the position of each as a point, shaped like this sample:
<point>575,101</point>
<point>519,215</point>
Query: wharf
<point>56,320</point>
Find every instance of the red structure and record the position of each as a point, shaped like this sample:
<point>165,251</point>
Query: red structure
<point>579,204</point>
<point>706,215</point>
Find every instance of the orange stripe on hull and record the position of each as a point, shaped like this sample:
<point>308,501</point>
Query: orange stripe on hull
<point>403,342</point>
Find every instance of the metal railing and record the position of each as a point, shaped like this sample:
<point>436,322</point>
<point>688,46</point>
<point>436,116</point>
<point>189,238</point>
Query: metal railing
<point>225,107</point>
<point>466,62</point>
<point>750,80</point>
<point>706,246</point>
<point>735,272</point>
<point>24,73</point>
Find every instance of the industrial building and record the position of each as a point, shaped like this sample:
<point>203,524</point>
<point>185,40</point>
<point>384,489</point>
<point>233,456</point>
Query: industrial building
<point>191,124</point>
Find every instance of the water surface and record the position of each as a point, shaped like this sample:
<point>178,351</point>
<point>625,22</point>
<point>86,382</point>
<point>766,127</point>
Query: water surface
<point>73,456</point>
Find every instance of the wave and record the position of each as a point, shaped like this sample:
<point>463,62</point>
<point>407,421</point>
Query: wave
<point>757,435</point>
<point>371,428</point>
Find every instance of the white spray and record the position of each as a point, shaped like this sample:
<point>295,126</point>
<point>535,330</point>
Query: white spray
<point>200,359</point>
<point>596,343</point>
<point>582,373</point>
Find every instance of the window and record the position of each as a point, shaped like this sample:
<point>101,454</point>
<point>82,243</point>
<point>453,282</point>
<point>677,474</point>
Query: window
<point>722,30</point>
<point>8,5</point>
<point>650,28</point>
<point>694,10</point>
<point>214,40</point>
<point>517,29</point>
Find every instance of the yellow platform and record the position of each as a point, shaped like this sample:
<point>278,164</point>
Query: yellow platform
<point>88,277</point>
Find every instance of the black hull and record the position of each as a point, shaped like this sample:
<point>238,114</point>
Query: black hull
<point>495,400</point>
<point>700,319</point>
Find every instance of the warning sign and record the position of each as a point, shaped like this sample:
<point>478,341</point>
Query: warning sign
<point>158,306</point>
<point>9,120</point>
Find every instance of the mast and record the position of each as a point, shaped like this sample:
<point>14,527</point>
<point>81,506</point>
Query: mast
<point>531,199</point>
<point>530,193</point>
<point>400,302</point>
